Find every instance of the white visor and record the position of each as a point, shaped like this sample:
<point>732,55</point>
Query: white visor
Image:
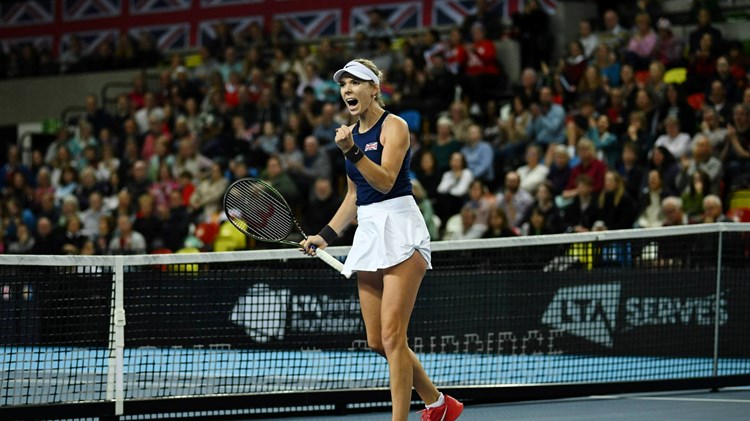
<point>358,70</point>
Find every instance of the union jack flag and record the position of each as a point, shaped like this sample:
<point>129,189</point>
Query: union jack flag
<point>512,6</point>
<point>371,146</point>
<point>90,40</point>
<point>143,7</point>
<point>313,23</point>
<point>23,13</point>
<point>400,16</point>
<point>167,37</point>
<point>220,3</point>
<point>453,12</point>
<point>206,31</point>
<point>90,9</point>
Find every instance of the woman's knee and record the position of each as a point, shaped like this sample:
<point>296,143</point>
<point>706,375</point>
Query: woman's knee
<point>393,338</point>
<point>376,344</point>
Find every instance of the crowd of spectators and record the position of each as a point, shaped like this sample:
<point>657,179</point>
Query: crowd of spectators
<point>594,140</point>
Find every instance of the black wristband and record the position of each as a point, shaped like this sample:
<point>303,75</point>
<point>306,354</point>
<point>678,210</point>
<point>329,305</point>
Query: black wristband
<point>354,154</point>
<point>328,234</point>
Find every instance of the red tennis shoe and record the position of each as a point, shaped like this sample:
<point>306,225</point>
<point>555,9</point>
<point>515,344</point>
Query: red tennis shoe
<point>449,411</point>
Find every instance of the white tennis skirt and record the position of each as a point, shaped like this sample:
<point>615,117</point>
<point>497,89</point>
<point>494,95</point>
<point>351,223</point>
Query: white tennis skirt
<point>388,233</point>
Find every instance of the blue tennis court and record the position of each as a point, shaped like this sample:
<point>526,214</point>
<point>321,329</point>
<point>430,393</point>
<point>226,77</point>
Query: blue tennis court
<point>727,404</point>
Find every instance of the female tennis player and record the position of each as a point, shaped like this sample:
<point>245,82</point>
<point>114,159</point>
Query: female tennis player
<point>391,249</point>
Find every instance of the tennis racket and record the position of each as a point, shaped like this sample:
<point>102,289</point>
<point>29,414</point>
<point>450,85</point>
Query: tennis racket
<point>257,209</point>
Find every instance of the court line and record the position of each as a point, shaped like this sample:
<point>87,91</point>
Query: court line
<point>655,398</point>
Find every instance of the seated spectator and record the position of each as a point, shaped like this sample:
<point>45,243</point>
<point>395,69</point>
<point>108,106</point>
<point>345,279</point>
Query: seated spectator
<point>427,173</point>
<point>23,243</point>
<point>444,144</point>
<point>188,160</point>
<point>321,206</point>
<point>460,119</point>
<point>590,165</point>
<point>649,202</point>
<point>609,65</point>
<point>544,203</point>
<point>480,198</point>
<point>534,172</point>
<point>315,164</point>
<point>206,199</point>
<point>713,211</point>
<point>675,105</point>
<point>138,183</point>
<point>711,128</point>
<point>587,38</point>
<point>47,239</point>
<point>642,44</point>
<point>147,222</point>
<point>702,160</point>
<point>613,35</point>
<point>547,125</point>
<point>662,161</point>
<point>68,183</point>
<point>693,194</point>
<point>479,155</point>
<point>607,145</point>
<point>630,169</point>
<point>104,235</point>
<point>91,216</point>
<point>280,180</point>
<point>676,141</point>
<point>701,65</point>
<point>453,187</point>
<point>498,225</point>
<point>669,47</point>
<point>736,152</point>
<point>538,224</point>
<point>72,237</point>
<point>717,98</point>
<point>512,132</point>
<point>674,215</point>
<point>591,88</point>
<point>616,206</point>
<point>514,200</point>
<point>573,66</point>
<point>464,226</point>
<point>559,169</point>
<point>704,28</point>
<point>126,240</point>
<point>175,221</point>
<point>581,214</point>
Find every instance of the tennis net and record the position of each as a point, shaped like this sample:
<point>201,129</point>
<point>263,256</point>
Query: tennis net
<point>277,331</point>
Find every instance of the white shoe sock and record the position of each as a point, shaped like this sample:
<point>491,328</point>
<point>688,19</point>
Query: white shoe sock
<point>438,403</point>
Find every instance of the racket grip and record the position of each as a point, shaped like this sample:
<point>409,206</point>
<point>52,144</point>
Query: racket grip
<point>332,261</point>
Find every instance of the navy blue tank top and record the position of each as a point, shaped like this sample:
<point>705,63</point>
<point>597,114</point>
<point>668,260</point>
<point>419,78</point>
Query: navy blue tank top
<point>369,142</point>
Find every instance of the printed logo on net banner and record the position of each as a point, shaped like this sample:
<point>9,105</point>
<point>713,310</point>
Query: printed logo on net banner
<point>590,312</point>
<point>271,314</point>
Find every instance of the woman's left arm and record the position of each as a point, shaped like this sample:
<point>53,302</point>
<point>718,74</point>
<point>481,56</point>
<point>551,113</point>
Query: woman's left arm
<point>394,139</point>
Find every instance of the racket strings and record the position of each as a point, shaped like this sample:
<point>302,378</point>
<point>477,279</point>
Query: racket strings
<point>262,213</point>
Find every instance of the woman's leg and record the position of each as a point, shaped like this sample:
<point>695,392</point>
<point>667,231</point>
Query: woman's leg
<point>400,287</point>
<point>371,298</point>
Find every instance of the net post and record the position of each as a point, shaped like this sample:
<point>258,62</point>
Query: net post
<point>111,358</point>
<point>717,303</point>
<point>119,333</point>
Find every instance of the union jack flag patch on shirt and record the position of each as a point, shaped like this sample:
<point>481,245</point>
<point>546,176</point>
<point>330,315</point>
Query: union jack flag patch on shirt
<point>371,146</point>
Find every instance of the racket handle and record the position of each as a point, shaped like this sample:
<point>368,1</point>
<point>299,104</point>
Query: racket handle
<point>332,261</point>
